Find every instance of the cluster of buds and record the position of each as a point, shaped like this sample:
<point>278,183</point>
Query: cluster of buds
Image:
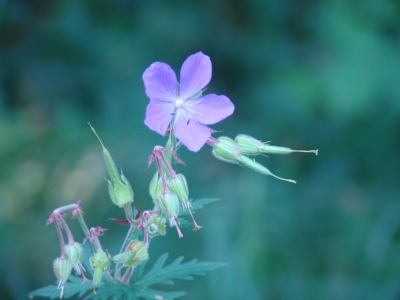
<point>238,151</point>
<point>168,189</point>
<point>71,253</point>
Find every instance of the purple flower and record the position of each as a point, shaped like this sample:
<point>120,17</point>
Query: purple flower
<point>183,103</point>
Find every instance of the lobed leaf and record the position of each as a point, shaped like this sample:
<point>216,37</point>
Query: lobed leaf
<point>72,287</point>
<point>175,270</point>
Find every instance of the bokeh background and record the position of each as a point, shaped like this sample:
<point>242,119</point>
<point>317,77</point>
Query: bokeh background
<point>304,74</point>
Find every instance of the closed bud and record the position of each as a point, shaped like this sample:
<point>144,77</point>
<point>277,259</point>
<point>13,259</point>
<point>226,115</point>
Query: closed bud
<point>100,263</point>
<point>62,268</point>
<point>120,191</point>
<point>169,204</point>
<point>75,254</point>
<point>156,187</point>
<point>179,186</point>
<point>227,150</point>
<point>251,146</point>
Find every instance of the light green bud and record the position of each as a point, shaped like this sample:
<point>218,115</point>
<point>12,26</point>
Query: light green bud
<point>252,164</point>
<point>156,187</point>
<point>120,191</point>
<point>100,263</point>
<point>227,150</point>
<point>75,254</point>
<point>135,254</point>
<point>179,186</point>
<point>169,204</point>
<point>62,268</point>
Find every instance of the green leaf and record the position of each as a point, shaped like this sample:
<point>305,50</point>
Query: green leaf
<point>197,204</point>
<point>140,285</point>
<point>72,287</point>
<point>151,294</point>
<point>112,290</point>
<point>175,270</point>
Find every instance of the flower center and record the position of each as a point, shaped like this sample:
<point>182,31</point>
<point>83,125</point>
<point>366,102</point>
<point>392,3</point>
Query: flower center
<point>178,103</point>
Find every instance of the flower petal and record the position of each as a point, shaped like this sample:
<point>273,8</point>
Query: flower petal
<point>158,115</point>
<point>209,109</point>
<point>195,74</point>
<point>190,132</point>
<point>160,82</point>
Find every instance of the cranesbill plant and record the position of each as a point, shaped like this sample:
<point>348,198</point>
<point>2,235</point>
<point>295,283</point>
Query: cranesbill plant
<point>181,112</point>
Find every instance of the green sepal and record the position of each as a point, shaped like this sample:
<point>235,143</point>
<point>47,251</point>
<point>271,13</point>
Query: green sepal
<point>227,150</point>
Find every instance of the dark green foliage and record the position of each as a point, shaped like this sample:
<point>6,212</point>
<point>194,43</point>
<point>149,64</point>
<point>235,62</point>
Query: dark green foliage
<point>73,287</point>
<point>139,288</point>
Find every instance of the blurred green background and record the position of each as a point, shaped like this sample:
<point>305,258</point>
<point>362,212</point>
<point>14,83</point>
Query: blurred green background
<point>303,74</point>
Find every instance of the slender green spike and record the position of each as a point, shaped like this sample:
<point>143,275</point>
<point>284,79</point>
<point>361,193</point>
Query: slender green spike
<point>111,168</point>
<point>248,162</point>
<point>252,146</point>
<point>120,190</point>
<point>283,150</point>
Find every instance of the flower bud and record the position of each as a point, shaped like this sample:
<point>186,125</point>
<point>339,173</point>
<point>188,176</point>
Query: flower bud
<point>179,186</point>
<point>156,187</point>
<point>75,254</point>
<point>155,225</point>
<point>135,254</point>
<point>62,268</point>
<point>227,150</point>
<point>252,164</point>
<point>169,204</point>
<point>100,263</point>
<point>120,191</point>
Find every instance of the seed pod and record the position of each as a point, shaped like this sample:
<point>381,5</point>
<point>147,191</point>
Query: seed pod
<point>251,146</point>
<point>119,188</point>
